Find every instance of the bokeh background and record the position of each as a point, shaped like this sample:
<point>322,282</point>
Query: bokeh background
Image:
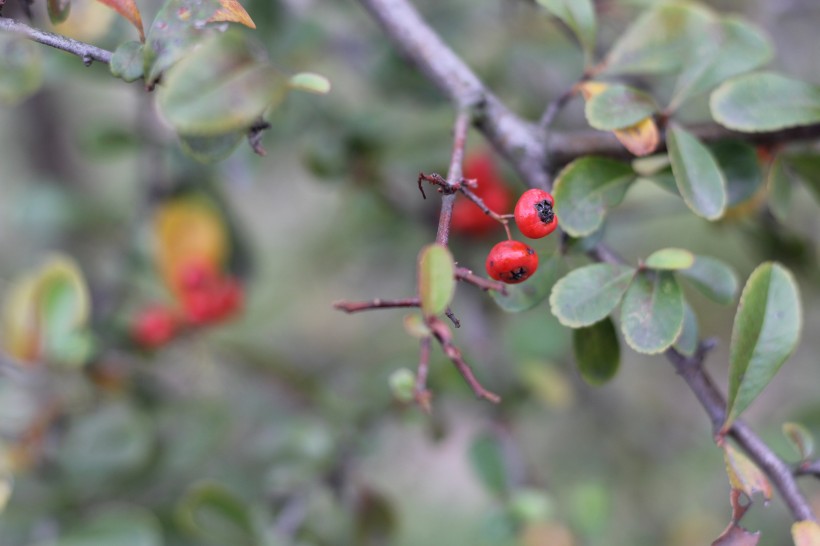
<point>279,427</point>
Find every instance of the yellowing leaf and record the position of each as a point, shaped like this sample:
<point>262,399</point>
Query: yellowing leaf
<point>806,533</point>
<point>20,330</point>
<point>231,11</point>
<point>188,230</point>
<point>744,475</point>
<point>129,10</point>
<point>641,139</point>
<point>592,89</point>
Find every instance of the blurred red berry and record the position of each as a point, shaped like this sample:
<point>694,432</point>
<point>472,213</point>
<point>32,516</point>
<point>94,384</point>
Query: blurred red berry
<point>212,302</point>
<point>511,262</point>
<point>467,218</point>
<point>154,326</point>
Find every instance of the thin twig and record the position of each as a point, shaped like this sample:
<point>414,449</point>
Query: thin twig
<point>87,52</point>
<point>453,175</point>
<point>452,316</point>
<point>464,274</point>
<point>378,303</point>
<point>420,393</point>
<point>808,468</point>
<point>554,108</point>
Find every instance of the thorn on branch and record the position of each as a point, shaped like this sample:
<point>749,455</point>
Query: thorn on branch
<point>88,60</point>
<point>452,317</point>
<point>440,182</point>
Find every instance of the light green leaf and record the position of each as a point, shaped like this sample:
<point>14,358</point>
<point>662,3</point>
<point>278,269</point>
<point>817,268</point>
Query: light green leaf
<point>765,333</point>
<point>122,526</point>
<point>586,189</point>
<point>651,165</point>
<point>740,166</point>
<point>212,513</point>
<point>670,259</point>
<point>697,174</point>
<point>588,294</point>
<point>579,16</point>
<point>415,326</point>
<point>21,68</point>
<point>652,312</point>
<point>617,107</point>
<point>765,101</point>
<point>437,283</point>
<point>663,39</point>
<point>210,149</point>
<point>800,438</point>
<point>127,61</point>
<point>687,342</point>
<point>310,82</point>
<point>526,295</point>
<point>743,47</point>
<point>58,10</point>
<point>780,189</point>
<point>402,384</point>
<point>219,88</point>
<point>597,351</point>
<point>716,280</point>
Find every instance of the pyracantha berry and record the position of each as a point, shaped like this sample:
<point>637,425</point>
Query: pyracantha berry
<point>534,214</point>
<point>511,262</point>
<point>467,218</point>
<point>215,301</point>
<point>154,326</point>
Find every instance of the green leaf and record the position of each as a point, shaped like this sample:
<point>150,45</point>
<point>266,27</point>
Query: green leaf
<point>177,28</point>
<point>210,512</point>
<point>310,82</point>
<point>579,16</point>
<point>800,438</point>
<point>617,107</point>
<point>415,326</point>
<point>687,342</point>
<point>765,101</point>
<point>487,459</point>
<point>526,295</point>
<point>597,351</point>
<point>715,280</point>
<point>651,165</point>
<point>127,61</point>
<point>652,312</point>
<point>663,39</point>
<point>743,47</point>
<point>697,174</point>
<point>584,191</point>
<point>588,294</point>
<point>780,189</point>
<point>210,149</point>
<point>21,68</point>
<point>402,384</point>
<point>670,259</point>
<point>219,88</point>
<point>437,283</point>
<point>806,166</point>
<point>740,166</point>
<point>58,10</point>
<point>765,333</point>
<point>123,526</point>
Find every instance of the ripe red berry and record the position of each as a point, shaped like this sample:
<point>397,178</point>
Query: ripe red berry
<point>511,262</point>
<point>212,302</point>
<point>534,214</point>
<point>154,326</point>
<point>467,218</point>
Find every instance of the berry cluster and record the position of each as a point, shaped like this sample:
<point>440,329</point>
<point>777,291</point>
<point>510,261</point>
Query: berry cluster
<point>204,295</point>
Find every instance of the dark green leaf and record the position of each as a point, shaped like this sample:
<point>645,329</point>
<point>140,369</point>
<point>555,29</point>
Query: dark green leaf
<point>58,10</point>
<point>125,526</point>
<point>210,149</point>
<point>597,351</point>
<point>487,458</point>
<point>375,518</point>
<point>800,438</point>
<point>741,169</point>
<point>210,512</point>
<point>670,259</point>
<point>528,294</point>
<point>698,176</point>
<point>127,61</point>
<point>687,342</point>
<point>765,101</point>
<point>588,294</point>
<point>219,88</point>
<point>652,312</point>
<point>617,107</point>
<point>806,166</point>
<point>437,283</point>
<point>713,278</point>
<point>579,16</point>
<point>780,189</point>
<point>765,333</point>
<point>586,189</point>
<point>21,68</point>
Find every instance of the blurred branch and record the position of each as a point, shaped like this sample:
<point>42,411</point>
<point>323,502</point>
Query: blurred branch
<point>808,468</point>
<point>87,52</point>
<point>378,303</point>
<point>462,123</point>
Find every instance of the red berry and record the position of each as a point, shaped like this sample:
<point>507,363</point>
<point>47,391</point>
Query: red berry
<point>212,302</point>
<point>467,218</point>
<point>534,214</point>
<point>511,262</point>
<point>154,326</point>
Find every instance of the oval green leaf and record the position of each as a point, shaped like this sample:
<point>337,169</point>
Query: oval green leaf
<point>765,101</point>
<point>310,82</point>
<point>58,10</point>
<point>713,278</point>
<point>652,312</point>
<point>597,351</point>
<point>617,107</point>
<point>806,167</point>
<point>670,259</point>
<point>437,283</point>
<point>697,174</point>
<point>780,189</point>
<point>579,16</point>
<point>800,438</point>
<point>687,342</point>
<point>218,88</point>
<point>123,526</point>
<point>766,330</point>
<point>526,295</point>
<point>209,510</point>
<point>127,61</point>
<point>584,191</point>
<point>210,149</point>
<point>487,459</point>
<point>588,294</point>
<point>740,166</point>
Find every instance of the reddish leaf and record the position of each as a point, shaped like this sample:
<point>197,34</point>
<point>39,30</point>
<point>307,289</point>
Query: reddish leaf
<point>806,533</point>
<point>129,10</point>
<point>744,475</point>
<point>735,535</point>
<point>231,11</point>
